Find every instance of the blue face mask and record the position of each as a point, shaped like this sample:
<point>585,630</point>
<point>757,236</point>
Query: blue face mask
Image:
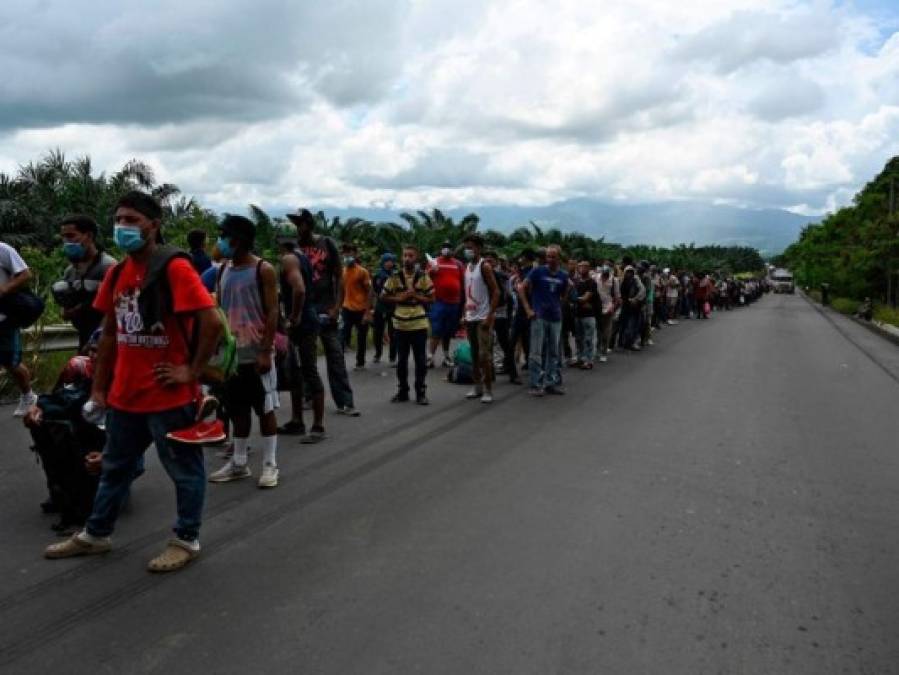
<point>128,238</point>
<point>225,248</point>
<point>73,250</point>
<point>469,254</point>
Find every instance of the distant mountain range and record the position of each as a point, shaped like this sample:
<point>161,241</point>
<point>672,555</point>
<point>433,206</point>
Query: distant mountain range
<point>661,223</point>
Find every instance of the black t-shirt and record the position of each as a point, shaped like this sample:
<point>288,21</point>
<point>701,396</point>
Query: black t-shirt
<point>583,287</point>
<point>322,255</point>
<point>308,317</point>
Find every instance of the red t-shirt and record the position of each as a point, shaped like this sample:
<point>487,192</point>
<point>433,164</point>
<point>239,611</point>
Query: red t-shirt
<point>448,277</point>
<point>139,348</point>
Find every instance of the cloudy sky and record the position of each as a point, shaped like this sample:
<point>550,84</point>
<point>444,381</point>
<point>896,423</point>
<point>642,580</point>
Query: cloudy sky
<point>418,103</point>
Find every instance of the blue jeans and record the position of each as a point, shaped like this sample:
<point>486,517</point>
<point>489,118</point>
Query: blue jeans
<point>585,327</point>
<point>543,361</point>
<point>127,437</point>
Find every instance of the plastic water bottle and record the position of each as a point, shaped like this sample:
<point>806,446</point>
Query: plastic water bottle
<point>93,413</point>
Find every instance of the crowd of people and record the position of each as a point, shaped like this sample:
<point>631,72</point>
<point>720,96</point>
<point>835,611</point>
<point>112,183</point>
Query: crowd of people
<point>182,349</point>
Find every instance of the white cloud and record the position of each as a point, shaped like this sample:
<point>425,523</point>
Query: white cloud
<point>439,103</point>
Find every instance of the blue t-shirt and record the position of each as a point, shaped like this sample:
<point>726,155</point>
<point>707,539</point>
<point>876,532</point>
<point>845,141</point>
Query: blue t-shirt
<point>547,291</point>
<point>209,277</point>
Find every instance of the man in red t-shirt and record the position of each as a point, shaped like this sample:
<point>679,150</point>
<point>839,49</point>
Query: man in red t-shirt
<point>146,378</point>
<point>448,277</point>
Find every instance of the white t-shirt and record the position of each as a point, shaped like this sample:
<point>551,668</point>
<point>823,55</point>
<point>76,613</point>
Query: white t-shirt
<point>477,294</point>
<point>11,264</point>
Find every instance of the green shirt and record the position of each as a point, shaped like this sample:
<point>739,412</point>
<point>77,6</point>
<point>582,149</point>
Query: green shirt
<point>409,315</point>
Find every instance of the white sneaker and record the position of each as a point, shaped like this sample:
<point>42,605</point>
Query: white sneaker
<point>25,403</point>
<point>269,476</point>
<point>650,343</point>
<point>487,397</point>
<point>603,359</point>
<point>474,393</point>
<point>229,472</point>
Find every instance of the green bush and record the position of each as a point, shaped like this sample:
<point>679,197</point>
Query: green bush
<point>844,305</point>
<point>886,314</point>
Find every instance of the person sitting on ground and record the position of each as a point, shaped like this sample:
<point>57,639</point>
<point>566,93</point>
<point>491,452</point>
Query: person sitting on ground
<point>865,310</point>
<point>69,447</point>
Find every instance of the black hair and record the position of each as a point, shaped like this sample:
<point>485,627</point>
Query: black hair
<point>349,246</point>
<point>304,217</point>
<point>412,247</point>
<point>239,227</point>
<point>141,202</point>
<point>196,238</point>
<point>475,239</point>
<point>528,254</point>
<point>84,224</point>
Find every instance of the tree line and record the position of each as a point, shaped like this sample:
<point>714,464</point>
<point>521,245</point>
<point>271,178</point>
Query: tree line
<point>34,200</point>
<point>855,249</point>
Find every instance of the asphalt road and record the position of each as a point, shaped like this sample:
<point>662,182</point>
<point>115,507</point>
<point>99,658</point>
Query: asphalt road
<point>725,502</point>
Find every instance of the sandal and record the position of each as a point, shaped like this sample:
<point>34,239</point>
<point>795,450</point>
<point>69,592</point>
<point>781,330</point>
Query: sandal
<point>175,556</point>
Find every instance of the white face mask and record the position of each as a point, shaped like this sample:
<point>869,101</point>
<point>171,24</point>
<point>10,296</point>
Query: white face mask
<point>445,252</point>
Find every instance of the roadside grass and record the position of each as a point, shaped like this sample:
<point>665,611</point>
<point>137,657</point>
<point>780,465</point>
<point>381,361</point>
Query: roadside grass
<point>844,305</point>
<point>886,314</point>
<point>882,313</point>
<point>45,368</point>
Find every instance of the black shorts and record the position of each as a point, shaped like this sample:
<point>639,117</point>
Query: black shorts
<point>248,390</point>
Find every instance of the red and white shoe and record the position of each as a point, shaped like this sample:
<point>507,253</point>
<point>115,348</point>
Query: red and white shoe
<point>201,433</point>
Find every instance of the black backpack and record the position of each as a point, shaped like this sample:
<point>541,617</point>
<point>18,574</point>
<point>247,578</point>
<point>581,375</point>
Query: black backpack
<point>155,301</point>
<point>21,308</point>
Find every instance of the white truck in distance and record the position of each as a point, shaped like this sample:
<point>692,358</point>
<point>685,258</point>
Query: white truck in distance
<point>782,281</point>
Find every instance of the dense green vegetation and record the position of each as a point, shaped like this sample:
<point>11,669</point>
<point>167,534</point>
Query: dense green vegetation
<point>855,249</point>
<point>34,200</point>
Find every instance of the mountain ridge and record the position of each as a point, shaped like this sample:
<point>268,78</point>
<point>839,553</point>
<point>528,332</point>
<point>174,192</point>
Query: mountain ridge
<point>657,223</point>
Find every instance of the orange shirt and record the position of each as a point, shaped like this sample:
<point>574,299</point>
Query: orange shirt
<point>356,288</point>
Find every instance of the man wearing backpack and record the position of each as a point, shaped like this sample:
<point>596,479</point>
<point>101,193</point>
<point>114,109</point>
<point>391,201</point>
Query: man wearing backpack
<point>410,291</point>
<point>88,264</point>
<point>302,333</point>
<point>160,330</point>
<point>14,276</point>
<point>326,295</point>
<point>248,295</point>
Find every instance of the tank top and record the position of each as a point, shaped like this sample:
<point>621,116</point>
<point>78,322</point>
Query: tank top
<point>477,295</point>
<point>242,304</point>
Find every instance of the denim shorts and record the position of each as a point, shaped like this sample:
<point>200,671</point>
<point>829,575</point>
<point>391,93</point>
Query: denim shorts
<point>444,319</point>
<point>10,347</point>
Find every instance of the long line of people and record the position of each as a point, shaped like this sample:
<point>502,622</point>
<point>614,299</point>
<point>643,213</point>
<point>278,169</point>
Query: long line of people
<point>173,339</point>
